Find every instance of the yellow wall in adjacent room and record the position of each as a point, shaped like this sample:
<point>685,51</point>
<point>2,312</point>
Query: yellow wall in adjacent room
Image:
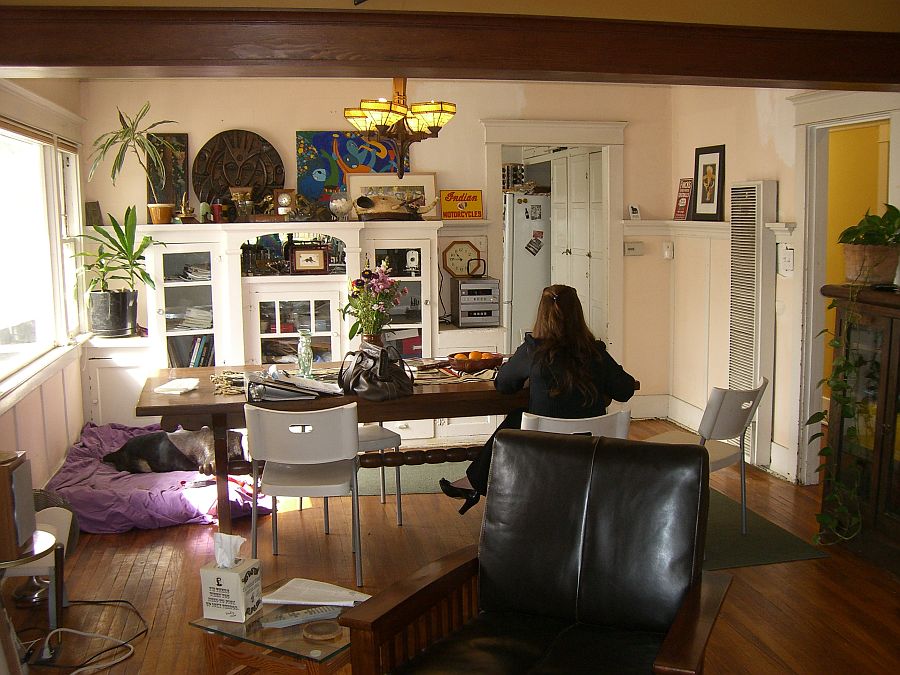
<point>857,182</point>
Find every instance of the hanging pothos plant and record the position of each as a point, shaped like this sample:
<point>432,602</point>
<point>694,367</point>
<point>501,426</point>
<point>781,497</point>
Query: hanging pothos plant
<point>840,518</point>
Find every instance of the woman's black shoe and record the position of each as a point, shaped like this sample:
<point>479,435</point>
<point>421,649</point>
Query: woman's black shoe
<point>470,495</point>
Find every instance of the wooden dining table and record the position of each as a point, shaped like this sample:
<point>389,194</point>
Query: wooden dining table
<point>221,412</point>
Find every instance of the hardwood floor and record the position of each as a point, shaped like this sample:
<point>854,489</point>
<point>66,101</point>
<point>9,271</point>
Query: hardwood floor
<point>838,614</point>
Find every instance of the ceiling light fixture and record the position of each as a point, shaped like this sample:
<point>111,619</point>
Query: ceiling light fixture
<point>396,121</point>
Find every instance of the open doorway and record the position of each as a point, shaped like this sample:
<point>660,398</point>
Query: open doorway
<point>607,138</point>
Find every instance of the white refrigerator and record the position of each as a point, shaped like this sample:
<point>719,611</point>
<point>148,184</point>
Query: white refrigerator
<point>526,261</point>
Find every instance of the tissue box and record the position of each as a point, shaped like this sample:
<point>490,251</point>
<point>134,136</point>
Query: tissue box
<point>231,593</point>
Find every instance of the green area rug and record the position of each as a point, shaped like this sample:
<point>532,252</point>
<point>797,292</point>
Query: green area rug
<point>765,543</point>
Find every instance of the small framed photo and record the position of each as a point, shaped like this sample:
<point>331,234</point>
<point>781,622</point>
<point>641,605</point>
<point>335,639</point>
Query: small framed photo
<point>285,200</point>
<point>309,259</point>
<point>414,189</point>
<point>634,212</point>
<point>708,200</point>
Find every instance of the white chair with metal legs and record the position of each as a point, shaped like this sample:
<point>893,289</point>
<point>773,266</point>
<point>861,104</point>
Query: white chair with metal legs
<point>304,454</point>
<point>375,438</point>
<point>727,415</point>
<point>611,425</point>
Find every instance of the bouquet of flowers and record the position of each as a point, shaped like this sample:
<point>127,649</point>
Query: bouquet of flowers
<point>370,299</point>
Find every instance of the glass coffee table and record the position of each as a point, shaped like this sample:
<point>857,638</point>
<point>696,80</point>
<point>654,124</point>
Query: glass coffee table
<point>271,650</point>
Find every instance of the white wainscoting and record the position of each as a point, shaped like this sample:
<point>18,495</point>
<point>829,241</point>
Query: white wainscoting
<point>44,415</point>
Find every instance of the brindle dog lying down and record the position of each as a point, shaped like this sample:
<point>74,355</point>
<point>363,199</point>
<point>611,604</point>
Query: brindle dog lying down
<point>181,450</point>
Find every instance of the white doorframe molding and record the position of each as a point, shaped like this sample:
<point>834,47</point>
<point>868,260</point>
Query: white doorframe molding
<point>815,114</point>
<point>608,135</point>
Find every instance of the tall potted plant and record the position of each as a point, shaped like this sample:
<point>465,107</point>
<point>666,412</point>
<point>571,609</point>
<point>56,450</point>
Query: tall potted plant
<point>119,257</point>
<point>872,248</point>
<point>128,139</point>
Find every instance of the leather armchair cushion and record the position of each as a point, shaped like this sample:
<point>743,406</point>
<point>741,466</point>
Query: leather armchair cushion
<point>574,524</point>
<point>510,643</point>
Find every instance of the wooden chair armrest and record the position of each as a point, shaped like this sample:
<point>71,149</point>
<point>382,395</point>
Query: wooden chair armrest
<point>684,646</point>
<point>394,625</point>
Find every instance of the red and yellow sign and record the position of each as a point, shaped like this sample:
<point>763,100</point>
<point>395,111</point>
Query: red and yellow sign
<point>461,205</point>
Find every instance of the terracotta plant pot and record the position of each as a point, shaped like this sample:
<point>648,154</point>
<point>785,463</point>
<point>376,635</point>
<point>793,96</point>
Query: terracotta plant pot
<point>867,265</point>
<point>161,214</point>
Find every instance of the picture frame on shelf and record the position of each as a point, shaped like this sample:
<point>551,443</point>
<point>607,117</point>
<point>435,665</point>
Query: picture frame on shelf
<point>417,189</point>
<point>309,258</point>
<point>708,200</point>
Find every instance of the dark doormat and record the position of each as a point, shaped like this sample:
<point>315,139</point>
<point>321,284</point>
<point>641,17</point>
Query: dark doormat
<point>764,544</point>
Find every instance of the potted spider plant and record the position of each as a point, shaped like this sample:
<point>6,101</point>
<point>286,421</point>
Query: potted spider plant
<point>132,139</point>
<point>119,258</point>
<point>872,248</point>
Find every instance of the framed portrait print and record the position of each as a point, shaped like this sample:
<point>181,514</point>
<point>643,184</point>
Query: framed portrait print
<point>309,259</point>
<point>416,189</point>
<point>707,202</point>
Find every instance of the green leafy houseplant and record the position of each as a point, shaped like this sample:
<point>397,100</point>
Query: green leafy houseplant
<point>872,248</point>
<point>840,518</point>
<point>132,139</point>
<point>119,257</point>
<point>119,254</point>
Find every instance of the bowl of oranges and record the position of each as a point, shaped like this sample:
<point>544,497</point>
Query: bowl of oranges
<point>474,361</point>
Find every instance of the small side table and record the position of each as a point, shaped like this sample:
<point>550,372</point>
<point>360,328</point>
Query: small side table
<point>41,543</point>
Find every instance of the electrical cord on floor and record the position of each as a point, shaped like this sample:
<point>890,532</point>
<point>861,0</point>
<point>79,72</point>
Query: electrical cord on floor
<point>88,664</point>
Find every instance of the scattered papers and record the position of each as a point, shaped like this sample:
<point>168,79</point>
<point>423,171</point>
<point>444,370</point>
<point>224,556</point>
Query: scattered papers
<point>178,386</point>
<point>310,592</point>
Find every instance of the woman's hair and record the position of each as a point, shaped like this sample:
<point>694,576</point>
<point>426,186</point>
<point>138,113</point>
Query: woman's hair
<point>565,342</point>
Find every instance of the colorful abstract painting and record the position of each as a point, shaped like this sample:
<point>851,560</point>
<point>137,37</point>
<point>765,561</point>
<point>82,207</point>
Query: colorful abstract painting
<point>324,158</point>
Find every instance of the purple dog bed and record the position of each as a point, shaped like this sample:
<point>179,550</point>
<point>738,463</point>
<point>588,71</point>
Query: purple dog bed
<point>108,501</point>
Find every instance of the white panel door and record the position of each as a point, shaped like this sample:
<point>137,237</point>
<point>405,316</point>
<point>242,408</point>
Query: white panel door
<point>559,228</point>
<point>598,317</point>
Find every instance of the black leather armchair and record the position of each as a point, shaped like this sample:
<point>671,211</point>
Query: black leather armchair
<point>589,562</point>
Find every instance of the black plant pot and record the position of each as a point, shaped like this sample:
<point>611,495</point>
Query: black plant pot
<point>113,313</point>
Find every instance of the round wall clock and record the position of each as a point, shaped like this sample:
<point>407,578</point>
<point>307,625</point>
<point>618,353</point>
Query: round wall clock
<point>457,255</point>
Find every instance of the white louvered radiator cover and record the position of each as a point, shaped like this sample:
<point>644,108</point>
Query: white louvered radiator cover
<point>751,352</point>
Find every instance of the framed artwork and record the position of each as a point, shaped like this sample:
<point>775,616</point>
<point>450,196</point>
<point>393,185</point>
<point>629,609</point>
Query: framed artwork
<point>416,189</point>
<point>173,188</point>
<point>309,259</point>
<point>707,202</point>
<point>93,216</point>
<point>326,158</point>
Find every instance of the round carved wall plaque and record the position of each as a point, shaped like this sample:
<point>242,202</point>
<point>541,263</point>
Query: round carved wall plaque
<point>236,158</point>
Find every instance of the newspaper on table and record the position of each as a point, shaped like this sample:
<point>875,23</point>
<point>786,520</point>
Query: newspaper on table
<point>305,383</point>
<point>309,592</point>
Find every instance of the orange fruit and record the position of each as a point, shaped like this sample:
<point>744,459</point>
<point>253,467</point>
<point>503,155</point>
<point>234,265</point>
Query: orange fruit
<point>474,355</point>
<point>461,356</point>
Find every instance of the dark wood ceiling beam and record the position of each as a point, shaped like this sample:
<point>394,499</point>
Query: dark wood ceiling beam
<point>96,42</point>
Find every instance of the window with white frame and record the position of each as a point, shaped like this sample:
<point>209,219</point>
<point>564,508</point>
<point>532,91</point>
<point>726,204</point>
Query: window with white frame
<point>40,194</point>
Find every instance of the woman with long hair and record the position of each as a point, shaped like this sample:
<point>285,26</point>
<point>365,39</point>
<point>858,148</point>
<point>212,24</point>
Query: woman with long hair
<point>569,374</point>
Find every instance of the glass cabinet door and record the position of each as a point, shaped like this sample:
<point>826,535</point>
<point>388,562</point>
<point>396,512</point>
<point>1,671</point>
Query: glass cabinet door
<point>888,514</point>
<point>410,327</point>
<point>187,308</point>
<point>280,316</point>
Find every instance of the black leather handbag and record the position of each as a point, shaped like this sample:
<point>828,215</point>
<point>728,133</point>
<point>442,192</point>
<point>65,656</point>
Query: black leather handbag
<point>375,373</point>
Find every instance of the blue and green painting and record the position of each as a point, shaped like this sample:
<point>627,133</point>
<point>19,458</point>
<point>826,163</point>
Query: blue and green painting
<point>324,158</point>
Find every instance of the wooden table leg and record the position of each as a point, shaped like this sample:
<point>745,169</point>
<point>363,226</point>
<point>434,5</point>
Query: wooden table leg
<point>220,446</point>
